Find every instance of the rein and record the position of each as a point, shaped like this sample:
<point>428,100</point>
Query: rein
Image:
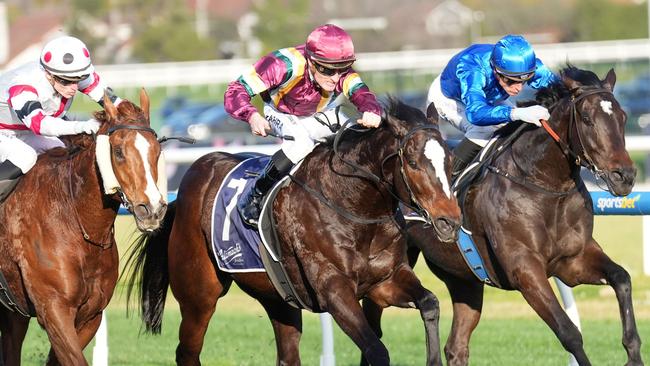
<point>585,160</point>
<point>566,149</point>
<point>105,243</point>
<point>372,177</point>
<point>380,180</point>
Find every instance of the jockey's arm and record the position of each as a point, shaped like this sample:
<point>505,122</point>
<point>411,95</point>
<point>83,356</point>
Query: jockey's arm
<point>360,95</point>
<point>479,112</point>
<point>94,87</point>
<point>24,101</point>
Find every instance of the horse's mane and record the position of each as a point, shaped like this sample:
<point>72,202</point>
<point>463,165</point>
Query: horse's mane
<point>393,108</point>
<point>551,94</point>
<point>130,114</point>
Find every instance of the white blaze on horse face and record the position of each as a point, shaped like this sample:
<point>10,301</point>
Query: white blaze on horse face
<point>606,105</point>
<point>436,154</point>
<point>151,191</point>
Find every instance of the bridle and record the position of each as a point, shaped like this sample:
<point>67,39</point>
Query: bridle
<point>106,242</point>
<point>364,173</point>
<point>580,158</point>
<point>120,192</point>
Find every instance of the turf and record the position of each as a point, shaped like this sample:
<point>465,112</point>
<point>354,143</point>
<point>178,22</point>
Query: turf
<point>510,333</point>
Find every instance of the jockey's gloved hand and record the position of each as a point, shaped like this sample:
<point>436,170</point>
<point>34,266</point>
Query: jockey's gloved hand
<point>530,114</point>
<point>89,127</point>
<point>369,119</point>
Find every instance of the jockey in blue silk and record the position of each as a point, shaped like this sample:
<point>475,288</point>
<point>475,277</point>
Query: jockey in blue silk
<point>472,92</point>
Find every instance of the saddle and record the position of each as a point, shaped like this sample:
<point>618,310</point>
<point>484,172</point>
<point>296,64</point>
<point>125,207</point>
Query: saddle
<point>270,251</point>
<point>472,175</point>
<point>7,298</point>
<point>238,247</point>
<point>6,187</point>
<point>477,169</point>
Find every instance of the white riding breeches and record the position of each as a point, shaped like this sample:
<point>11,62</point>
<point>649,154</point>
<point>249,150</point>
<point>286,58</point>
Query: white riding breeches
<point>306,131</point>
<point>23,147</point>
<point>453,112</point>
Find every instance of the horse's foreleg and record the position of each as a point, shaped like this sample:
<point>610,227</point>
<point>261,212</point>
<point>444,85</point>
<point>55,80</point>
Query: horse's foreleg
<point>287,327</point>
<point>467,299</point>
<point>373,313</point>
<point>403,289</point>
<point>341,302</point>
<point>530,279</point>
<point>87,331</point>
<point>593,266</point>
<point>13,328</point>
<point>58,320</point>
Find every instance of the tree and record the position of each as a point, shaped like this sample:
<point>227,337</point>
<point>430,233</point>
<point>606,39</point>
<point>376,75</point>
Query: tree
<point>159,30</point>
<point>282,23</point>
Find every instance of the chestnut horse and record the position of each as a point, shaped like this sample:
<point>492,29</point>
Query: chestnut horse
<point>338,245</point>
<point>531,217</point>
<point>56,232</point>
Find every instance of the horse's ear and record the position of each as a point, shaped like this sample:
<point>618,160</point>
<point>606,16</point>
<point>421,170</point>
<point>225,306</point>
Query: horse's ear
<point>610,80</point>
<point>432,114</point>
<point>144,102</point>
<point>109,107</point>
<point>395,125</point>
<point>570,83</point>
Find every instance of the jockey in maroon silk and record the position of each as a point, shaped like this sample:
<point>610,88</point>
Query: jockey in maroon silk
<point>301,87</point>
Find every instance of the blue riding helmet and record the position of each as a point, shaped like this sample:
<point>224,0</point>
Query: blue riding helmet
<point>513,56</point>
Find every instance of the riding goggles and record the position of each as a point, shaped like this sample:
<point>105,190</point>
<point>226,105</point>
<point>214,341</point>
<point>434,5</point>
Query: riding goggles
<point>512,79</point>
<point>66,82</point>
<point>329,71</point>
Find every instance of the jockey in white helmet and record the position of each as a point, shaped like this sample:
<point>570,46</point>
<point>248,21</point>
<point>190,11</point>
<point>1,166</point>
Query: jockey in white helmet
<point>34,99</point>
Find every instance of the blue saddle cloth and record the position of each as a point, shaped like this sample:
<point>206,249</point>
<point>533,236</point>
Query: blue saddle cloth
<point>235,244</point>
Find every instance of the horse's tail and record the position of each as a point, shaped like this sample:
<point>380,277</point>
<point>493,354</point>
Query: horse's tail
<point>147,266</point>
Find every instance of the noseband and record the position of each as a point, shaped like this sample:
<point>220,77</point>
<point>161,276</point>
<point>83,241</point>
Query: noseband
<point>413,204</point>
<point>580,158</point>
<point>120,192</point>
<point>106,242</point>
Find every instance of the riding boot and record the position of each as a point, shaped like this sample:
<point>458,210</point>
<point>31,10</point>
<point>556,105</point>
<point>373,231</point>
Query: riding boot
<point>249,205</point>
<point>464,153</point>
<point>9,174</point>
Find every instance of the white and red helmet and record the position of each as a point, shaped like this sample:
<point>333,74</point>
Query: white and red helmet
<point>67,57</point>
<point>330,45</point>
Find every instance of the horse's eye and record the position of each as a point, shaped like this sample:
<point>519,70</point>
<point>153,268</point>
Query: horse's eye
<point>413,164</point>
<point>117,151</point>
<point>587,120</point>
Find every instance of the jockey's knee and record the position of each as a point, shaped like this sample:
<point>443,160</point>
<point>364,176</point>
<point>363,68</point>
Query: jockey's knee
<point>24,158</point>
<point>297,150</point>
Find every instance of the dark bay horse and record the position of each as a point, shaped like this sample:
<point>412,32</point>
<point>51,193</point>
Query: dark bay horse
<point>56,232</point>
<point>332,257</point>
<point>531,217</point>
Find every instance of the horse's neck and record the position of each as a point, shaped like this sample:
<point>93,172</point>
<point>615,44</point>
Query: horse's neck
<point>376,196</point>
<point>84,185</point>
<point>537,155</point>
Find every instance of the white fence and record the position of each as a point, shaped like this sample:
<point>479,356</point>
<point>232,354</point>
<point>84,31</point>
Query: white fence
<point>175,74</point>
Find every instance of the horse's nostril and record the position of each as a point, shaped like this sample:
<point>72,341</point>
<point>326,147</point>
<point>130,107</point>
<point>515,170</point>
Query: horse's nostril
<point>617,176</point>
<point>141,210</point>
<point>444,225</point>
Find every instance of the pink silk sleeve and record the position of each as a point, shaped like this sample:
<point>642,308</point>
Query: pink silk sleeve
<point>237,102</point>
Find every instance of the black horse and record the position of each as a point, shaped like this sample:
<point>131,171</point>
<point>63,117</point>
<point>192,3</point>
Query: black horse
<point>531,217</point>
<point>339,238</point>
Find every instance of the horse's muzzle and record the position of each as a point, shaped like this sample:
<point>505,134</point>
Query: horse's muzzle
<point>147,218</point>
<point>446,229</point>
<point>620,181</point>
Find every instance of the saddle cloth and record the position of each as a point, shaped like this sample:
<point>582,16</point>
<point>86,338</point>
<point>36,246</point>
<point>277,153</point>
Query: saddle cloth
<point>235,244</point>
<point>238,247</point>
